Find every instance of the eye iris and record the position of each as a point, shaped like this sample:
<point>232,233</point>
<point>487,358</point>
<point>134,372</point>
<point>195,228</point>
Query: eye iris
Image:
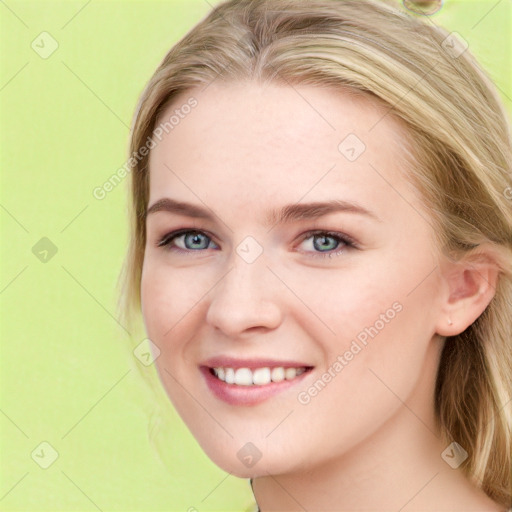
<point>323,238</point>
<point>195,237</point>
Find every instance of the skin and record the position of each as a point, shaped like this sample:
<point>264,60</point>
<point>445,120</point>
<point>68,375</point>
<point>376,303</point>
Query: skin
<point>367,440</point>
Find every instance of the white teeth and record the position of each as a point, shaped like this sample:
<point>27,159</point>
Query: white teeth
<point>243,377</point>
<point>261,376</point>
<point>258,376</point>
<point>277,374</point>
<point>230,376</point>
<point>290,373</point>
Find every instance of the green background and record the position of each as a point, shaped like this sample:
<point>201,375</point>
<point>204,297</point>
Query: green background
<point>68,374</point>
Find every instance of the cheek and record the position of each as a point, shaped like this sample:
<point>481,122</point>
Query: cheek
<point>342,301</point>
<point>372,288</point>
<point>155,299</point>
<point>371,367</point>
<point>168,296</point>
<point>376,318</point>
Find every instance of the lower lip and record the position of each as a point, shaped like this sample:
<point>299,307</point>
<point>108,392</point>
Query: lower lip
<point>247,395</point>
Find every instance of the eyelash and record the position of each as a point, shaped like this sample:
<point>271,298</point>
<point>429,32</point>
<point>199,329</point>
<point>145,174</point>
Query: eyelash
<point>348,242</point>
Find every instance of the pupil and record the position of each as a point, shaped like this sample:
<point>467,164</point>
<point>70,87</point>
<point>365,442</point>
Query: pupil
<point>196,238</point>
<point>323,243</point>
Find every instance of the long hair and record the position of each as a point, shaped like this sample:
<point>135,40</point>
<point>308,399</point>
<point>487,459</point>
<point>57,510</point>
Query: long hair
<point>459,153</point>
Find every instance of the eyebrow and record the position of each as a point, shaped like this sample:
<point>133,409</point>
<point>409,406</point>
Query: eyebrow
<point>288,213</point>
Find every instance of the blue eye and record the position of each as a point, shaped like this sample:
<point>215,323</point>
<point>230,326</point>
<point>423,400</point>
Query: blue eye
<point>192,238</point>
<point>339,239</point>
<point>197,241</point>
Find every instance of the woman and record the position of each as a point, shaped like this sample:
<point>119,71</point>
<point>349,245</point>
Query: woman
<point>321,249</point>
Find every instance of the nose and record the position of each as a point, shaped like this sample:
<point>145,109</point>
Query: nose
<point>246,299</point>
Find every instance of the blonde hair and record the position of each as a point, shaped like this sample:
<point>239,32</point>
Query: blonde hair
<point>459,151</point>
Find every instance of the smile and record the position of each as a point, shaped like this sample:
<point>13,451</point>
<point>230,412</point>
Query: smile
<point>256,376</point>
<point>244,386</point>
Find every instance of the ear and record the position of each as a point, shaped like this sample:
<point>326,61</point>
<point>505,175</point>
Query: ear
<point>469,285</point>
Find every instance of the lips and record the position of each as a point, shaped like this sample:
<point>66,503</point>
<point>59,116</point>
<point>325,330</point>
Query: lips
<point>252,363</point>
<point>237,390</point>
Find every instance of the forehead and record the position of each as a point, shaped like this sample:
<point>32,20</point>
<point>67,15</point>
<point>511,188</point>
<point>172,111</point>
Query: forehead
<point>245,141</point>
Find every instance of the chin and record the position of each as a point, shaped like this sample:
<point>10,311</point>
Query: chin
<point>246,461</point>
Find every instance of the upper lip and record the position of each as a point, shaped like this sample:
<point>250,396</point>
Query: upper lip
<point>234,362</point>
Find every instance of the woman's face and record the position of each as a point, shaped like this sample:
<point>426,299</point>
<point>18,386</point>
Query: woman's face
<point>345,293</point>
